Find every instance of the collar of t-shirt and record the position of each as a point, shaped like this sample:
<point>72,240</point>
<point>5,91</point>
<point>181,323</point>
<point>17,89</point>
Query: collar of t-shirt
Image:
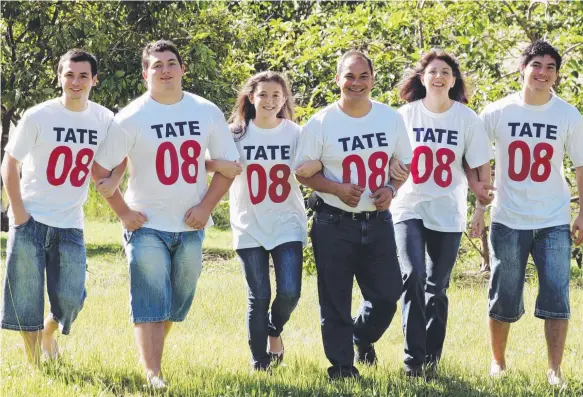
<point>442,115</point>
<point>536,108</point>
<point>351,119</point>
<point>277,128</point>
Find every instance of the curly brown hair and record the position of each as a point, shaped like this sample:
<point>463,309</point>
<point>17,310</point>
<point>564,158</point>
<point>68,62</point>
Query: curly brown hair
<point>411,89</point>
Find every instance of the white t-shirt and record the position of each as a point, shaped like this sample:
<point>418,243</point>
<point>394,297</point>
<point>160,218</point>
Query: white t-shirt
<point>355,150</point>
<point>166,146</point>
<point>436,191</point>
<point>530,144</point>
<point>56,147</point>
<point>266,204</point>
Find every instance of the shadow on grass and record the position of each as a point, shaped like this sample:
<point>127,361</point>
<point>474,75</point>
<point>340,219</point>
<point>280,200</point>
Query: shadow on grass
<point>104,249</point>
<point>202,381</point>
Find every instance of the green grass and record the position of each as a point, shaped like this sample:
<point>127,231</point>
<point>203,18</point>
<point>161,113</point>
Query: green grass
<point>207,355</point>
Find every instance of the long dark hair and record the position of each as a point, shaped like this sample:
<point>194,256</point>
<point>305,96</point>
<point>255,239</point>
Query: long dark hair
<point>411,89</point>
<point>244,111</point>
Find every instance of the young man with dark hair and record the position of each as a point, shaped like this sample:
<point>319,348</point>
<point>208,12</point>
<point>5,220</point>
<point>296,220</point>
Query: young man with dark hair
<point>164,134</point>
<point>55,141</point>
<point>353,233</point>
<point>532,130</point>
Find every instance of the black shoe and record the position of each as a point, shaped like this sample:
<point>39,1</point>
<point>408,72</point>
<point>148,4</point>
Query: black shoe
<point>413,371</point>
<point>335,373</point>
<point>365,355</point>
<point>262,366</point>
<point>430,370</point>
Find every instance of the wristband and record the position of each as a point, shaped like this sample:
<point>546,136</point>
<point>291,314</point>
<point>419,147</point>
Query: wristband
<point>393,189</point>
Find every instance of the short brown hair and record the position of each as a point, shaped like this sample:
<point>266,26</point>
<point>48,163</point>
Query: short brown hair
<point>350,54</point>
<point>159,46</point>
<point>78,55</point>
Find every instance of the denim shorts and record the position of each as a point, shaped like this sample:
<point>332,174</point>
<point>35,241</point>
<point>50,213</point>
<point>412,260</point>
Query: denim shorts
<point>551,251</point>
<point>33,250</point>
<point>164,268</point>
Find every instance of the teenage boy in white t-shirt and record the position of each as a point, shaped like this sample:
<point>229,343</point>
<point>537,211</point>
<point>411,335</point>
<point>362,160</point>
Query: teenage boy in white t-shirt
<point>55,142</point>
<point>164,134</point>
<point>353,234</point>
<point>532,130</point>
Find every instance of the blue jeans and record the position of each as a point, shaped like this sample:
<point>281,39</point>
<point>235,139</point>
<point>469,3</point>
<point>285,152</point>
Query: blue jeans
<point>34,248</point>
<point>550,248</point>
<point>345,248</point>
<point>164,270</point>
<point>427,258</point>
<point>261,322</point>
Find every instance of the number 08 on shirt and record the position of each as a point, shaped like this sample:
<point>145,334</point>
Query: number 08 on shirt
<point>266,204</point>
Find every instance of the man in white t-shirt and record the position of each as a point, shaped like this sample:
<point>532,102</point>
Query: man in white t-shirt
<point>164,134</point>
<point>532,130</point>
<point>352,233</point>
<point>55,142</point>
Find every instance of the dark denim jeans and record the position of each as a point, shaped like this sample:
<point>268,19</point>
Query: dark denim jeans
<point>345,248</point>
<point>427,258</point>
<point>261,322</point>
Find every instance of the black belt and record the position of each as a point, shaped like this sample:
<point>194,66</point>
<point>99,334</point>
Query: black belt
<point>357,216</point>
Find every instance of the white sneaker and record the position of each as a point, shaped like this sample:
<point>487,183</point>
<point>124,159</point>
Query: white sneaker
<point>555,378</point>
<point>156,382</point>
<point>497,370</point>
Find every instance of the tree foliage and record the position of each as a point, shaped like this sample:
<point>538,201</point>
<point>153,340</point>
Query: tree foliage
<point>223,43</point>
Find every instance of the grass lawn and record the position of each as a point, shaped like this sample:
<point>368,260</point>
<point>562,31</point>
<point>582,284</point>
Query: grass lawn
<point>207,355</point>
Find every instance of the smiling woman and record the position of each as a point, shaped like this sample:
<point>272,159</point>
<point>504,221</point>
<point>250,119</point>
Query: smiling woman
<point>430,212</point>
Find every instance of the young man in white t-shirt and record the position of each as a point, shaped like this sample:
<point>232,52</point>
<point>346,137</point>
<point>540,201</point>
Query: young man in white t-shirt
<point>55,142</point>
<point>164,134</point>
<point>532,130</point>
<point>352,233</point>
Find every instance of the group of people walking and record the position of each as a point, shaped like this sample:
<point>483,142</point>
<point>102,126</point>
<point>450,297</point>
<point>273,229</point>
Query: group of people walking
<point>389,204</point>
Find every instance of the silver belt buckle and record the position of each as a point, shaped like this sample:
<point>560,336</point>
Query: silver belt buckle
<point>354,216</point>
<point>367,216</point>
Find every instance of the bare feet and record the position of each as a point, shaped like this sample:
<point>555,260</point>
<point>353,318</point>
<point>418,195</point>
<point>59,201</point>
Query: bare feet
<point>49,346</point>
<point>555,378</point>
<point>497,370</point>
<point>31,347</point>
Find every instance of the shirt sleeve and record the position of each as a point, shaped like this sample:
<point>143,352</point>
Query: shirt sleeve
<point>116,146</point>
<point>24,137</point>
<point>488,118</point>
<point>309,145</point>
<point>477,149</point>
<point>221,143</point>
<point>574,144</point>
<point>403,149</point>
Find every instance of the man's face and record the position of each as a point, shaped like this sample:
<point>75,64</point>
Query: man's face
<point>76,81</point>
<point>355,80</point>
<point>164,72</point>
<point>540,74</point>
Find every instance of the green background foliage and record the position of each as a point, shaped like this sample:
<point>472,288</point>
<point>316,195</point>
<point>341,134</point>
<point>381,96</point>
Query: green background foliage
<point>223,43</point>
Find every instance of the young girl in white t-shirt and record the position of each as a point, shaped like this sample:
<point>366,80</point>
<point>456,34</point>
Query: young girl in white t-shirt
<point>267,210</point>
<point>430,209</point>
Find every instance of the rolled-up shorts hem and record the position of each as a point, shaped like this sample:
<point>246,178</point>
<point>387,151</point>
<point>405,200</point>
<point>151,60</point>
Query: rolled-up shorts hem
<point>150,319</point>
<point>506,319</point>
<point>551,316</point>
<point>25,328</point>
<point>64,328</point>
